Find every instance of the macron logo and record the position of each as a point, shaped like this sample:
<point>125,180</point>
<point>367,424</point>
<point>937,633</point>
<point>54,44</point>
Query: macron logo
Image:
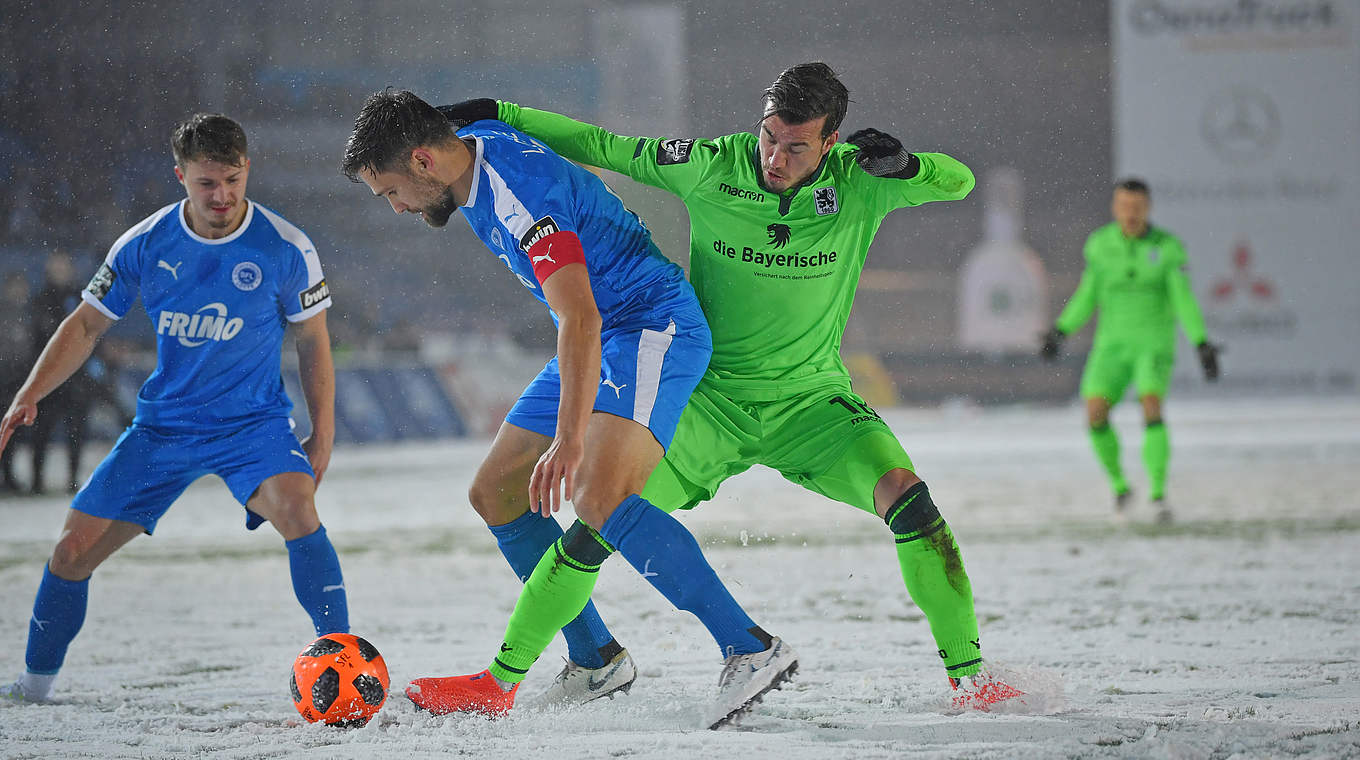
<point>171,269</point>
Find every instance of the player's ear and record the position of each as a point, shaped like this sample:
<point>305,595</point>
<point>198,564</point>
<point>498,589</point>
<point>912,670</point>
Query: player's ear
<point>179,174</point>
<point>421,160</point>
<point>830,140</point>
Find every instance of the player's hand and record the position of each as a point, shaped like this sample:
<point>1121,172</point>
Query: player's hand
<point>318,454</point>
<point>882,155</point>
<point>462,114</point>
<point>20,413</point>
<point>1208,359</point>
<point>1052,345</point>
<point>555,470</point>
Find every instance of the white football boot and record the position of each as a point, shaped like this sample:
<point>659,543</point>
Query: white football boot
<point>746,678</point>
<point>577,685</point>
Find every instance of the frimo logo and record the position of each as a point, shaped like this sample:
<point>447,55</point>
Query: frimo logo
<point>208,323</point>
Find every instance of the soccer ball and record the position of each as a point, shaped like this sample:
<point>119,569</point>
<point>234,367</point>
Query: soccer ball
<point>339,679</point>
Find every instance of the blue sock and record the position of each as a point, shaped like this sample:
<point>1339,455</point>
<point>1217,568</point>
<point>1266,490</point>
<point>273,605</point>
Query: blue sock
<point>666,554</point>
<point>523,542</point>
<point>58,613</point>
<point>318,583</point>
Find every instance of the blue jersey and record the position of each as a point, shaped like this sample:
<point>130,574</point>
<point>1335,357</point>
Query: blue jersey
<point>522,192</point>
<point>219,309</point>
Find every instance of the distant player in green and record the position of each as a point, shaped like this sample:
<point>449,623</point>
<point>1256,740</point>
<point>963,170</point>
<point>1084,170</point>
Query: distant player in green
<point>780,225</point>
<point>1136,276</point>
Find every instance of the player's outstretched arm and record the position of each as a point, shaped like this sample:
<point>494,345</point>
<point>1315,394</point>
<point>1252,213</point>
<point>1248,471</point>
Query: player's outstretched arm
<point>568,293</point>
<point>316,370</point>
<point>576,140</point>
<point>68,348</point>
<point>903,178</point>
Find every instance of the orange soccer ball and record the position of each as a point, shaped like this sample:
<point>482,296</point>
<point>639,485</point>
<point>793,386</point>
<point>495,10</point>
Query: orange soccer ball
<point>339,679</point>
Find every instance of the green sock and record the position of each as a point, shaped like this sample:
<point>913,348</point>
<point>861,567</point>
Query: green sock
<point>1106,444</point>
<point>932,569</point>
<point>1156,454</point>
<point>555,593</point>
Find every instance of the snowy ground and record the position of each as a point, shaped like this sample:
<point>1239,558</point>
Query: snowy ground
<point>1233,633</point>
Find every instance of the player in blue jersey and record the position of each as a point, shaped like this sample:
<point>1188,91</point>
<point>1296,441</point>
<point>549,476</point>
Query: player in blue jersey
<point>221,277</point>
<point>632,344</point>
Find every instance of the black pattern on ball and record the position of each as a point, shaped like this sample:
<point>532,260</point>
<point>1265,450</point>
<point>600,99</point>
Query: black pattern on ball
<point>324,646</point>
<point>297,694</point>
<point>370,688</point>
<point>366,650</point>
<point>325,689</point>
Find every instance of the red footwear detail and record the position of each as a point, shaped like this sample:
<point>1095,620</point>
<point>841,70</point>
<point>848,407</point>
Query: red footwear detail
<point>981,691</point>
<point>478,693</point>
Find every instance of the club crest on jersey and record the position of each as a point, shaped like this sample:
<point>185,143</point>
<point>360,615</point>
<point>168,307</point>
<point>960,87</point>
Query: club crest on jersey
<point>314,295</point>
<point>246,276</point>
<point>539,230</point>
<point>1153,254</point>
<point>825,200</point>
<point>102,281</point>
<point>673,151</point>
<point>208,323</point>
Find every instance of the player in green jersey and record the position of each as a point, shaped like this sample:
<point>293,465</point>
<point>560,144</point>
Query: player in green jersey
<point>780,224</point>
<point>1136,276</point>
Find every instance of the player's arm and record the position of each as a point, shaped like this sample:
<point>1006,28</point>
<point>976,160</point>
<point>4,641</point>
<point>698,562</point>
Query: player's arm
<point>566,286</point>
<point>674,165</point>
<point>316,369</point>
<point>1076,313</point>
<point>1188,313</point>
<point>68,348</point>
<point>904,178</point>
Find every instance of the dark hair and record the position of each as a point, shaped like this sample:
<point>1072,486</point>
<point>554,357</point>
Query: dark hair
<point>208,137</point>
<point>391,124</point>
<point>1133,185</point>
<point>806,91</point>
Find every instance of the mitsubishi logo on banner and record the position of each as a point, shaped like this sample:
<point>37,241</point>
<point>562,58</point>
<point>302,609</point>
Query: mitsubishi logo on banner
<point>1244,302</point>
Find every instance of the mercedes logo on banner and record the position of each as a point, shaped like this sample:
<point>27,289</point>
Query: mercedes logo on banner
<point>1240,124</point>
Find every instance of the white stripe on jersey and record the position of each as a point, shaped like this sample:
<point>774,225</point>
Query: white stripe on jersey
<point>652,348</point>
<point>138,229</point>
<point>509,210</point>
<point>298,239</point>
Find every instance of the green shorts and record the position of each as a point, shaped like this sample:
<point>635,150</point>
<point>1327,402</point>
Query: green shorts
<point>826,440</point>
<point>1109,369</point>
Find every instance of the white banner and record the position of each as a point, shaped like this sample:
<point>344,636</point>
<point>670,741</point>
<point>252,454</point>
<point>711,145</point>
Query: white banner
<point>1244,117</point>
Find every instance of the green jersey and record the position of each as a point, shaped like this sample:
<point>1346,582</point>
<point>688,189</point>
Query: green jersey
<point>1140,287</point>
<point>775,272</point>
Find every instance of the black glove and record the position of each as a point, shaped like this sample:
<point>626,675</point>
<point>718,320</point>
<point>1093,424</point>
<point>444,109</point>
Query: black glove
<point>1052,344</point>
<point>462,114</point>
<point>881,155</point>
<point>1208,359</point>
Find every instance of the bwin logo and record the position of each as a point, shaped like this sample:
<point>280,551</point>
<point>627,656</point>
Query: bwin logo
<point>208,323</point>
<point>779,234</point>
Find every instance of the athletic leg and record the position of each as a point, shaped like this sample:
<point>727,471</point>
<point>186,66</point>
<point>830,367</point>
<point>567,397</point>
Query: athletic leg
<point>1105,443</point>
<point>287,501</point>
<point>59,607</point>
<point>498,495</point>
<point>1156,447</point>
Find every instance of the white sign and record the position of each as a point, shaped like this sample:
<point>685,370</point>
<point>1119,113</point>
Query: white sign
<point>1244,117</point>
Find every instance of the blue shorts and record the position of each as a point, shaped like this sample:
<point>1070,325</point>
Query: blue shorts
<point>148,468</point>
<point>647,374</point>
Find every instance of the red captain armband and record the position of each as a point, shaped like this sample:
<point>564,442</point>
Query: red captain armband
<point>554,251</point>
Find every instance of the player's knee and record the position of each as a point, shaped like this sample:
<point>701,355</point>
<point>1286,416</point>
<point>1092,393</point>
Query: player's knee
<point>914,513</point>
<point>294,515</point>
<point>493,502</point>
<point>70,560</point>
<point>594,505</point>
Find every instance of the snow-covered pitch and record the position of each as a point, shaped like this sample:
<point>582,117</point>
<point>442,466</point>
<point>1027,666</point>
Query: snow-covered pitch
<point>1234,632</point>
